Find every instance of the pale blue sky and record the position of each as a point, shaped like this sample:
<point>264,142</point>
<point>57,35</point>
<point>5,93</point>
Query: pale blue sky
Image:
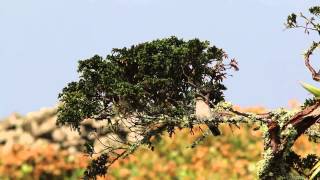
<point>41,42</point>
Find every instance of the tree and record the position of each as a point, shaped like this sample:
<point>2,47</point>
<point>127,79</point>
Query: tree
<point>150,88</point>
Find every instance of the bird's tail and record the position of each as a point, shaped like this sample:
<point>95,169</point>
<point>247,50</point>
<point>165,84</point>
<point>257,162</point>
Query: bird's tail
<point>213,128</point>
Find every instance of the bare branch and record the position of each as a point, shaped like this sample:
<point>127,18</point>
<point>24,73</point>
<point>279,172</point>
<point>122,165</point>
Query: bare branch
<point>315,75</point>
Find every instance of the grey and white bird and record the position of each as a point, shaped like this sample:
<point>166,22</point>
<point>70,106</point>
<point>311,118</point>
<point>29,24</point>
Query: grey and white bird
<point>204,113</point>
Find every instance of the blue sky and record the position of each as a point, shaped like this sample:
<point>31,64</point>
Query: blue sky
<point>41,42</point>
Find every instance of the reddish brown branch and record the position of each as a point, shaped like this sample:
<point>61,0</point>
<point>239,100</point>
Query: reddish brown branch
<point>315,75</point>
<point>274,131</point>
<point>304,119</point>
<point>300,122</point>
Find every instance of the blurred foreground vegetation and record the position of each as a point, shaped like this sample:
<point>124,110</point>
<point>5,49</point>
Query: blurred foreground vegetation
<point>233,155</point>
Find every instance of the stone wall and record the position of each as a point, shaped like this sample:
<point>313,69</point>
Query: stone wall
<point>39,129</point>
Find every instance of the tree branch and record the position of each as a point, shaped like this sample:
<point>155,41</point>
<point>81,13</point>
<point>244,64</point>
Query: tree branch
<point>315,75</point>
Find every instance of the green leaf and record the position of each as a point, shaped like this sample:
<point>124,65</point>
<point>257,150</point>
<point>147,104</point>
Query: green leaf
<point>315,170</point>
<point>312,89</point>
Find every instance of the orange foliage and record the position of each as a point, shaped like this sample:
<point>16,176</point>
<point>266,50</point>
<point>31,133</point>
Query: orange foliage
<point>43,160</point>
<point>294,104</point>
<point>252,109</point>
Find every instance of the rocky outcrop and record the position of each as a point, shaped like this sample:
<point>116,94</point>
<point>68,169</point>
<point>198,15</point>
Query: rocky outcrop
<point>40,129</point>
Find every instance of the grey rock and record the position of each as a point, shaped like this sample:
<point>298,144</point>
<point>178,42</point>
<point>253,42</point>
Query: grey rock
<point>25,139</point>
<point>46,126</point>
<point>59,135</point>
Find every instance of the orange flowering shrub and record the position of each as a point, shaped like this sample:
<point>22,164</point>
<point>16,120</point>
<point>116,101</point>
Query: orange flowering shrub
<point>44,162</point>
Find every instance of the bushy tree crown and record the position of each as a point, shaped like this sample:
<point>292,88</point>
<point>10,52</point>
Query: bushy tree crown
<point>153,78</point>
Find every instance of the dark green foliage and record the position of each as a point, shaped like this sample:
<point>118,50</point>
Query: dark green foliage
<point>158,77</point>
<point>292,20</point>
<point>309,102</point>
<point>97,167</point>
<point>315,10</point>
<point>310,161</point>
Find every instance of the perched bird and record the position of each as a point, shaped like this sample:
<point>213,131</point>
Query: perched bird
<point>203,113</point>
